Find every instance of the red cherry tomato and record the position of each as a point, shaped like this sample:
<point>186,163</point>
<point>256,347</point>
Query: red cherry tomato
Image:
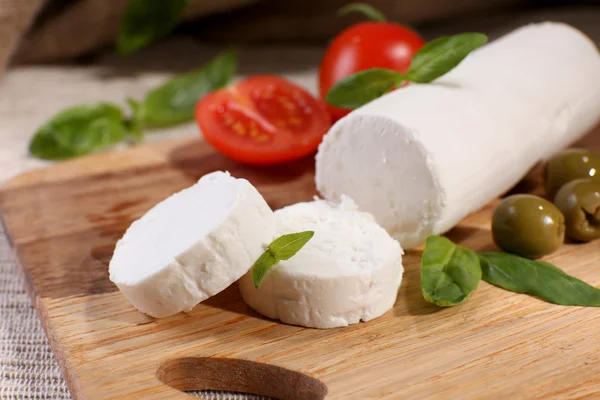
<point>363,46</point>
<point>263,120</point>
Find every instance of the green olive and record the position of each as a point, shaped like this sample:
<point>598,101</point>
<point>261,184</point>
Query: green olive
<point>569,165</point>
<point>579,201</point>
<point>528,225</point>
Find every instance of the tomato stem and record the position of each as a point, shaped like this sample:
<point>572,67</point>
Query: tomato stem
<point>366,9</point>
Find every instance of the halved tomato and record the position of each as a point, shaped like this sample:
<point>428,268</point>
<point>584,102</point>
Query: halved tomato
<point>263,120</point>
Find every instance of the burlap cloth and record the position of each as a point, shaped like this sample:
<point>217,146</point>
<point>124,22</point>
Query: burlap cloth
<point>42,30</point>
<point>30,95</point>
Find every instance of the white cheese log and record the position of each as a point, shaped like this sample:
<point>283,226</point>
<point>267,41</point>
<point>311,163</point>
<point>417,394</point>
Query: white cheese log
<point>192,245</point>
<point>423,157</point>
<point>349,271</point>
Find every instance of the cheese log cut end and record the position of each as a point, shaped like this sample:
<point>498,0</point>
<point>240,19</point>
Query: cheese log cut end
<point>350,271</point>
<point>192,245</point>
<point>386,170</point>
<point>422,158</point>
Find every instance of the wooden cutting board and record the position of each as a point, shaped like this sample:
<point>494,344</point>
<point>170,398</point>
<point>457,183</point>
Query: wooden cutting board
<point>65,220</point>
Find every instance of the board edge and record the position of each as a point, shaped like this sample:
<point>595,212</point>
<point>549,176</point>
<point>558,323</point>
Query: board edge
<point>42,314</point>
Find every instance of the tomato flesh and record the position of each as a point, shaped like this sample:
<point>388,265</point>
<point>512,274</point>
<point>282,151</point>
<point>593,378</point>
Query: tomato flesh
<point>238,121</point>
<point>263,120</point>
<point>363,46</point>
<point>283,108</point>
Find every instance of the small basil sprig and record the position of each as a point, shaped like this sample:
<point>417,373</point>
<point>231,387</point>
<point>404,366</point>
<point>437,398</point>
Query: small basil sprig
<point>536,278</point>
<point>174,102</point>
<point>282,248</point>
<point>79,130</point>
<point>441,55</point>
<point>432,61</point>
<point>363,87</point>
<point>145,21</point>
<point>449,273</point>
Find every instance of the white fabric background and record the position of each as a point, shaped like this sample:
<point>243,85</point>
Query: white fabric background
<point>30,95</point>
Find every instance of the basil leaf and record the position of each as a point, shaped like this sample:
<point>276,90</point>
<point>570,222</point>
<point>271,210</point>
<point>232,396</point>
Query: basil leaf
<point>441,55</point>
<point>286,246</point>
<point>77,131</point>
<point>536,278</point>
<point>261,267</point>
<point>360,88</point>
<point>145,21</point>
<point>449,273</point>
<point>371,12</point>
<point>282,248</point>
<point>134,124</point>
<point>175,101</point>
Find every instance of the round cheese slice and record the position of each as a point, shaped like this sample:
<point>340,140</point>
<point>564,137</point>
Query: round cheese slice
<point>350,271</point>
<point>192,245</point>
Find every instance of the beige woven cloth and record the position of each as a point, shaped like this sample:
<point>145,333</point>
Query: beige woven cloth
<point>27,367</point>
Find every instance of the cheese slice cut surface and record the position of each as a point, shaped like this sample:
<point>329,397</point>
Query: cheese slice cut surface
<point>423,157</point>
<point>192,245</point>
<point>350,271</point>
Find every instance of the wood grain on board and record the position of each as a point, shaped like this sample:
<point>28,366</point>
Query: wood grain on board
<point>65,220</point>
